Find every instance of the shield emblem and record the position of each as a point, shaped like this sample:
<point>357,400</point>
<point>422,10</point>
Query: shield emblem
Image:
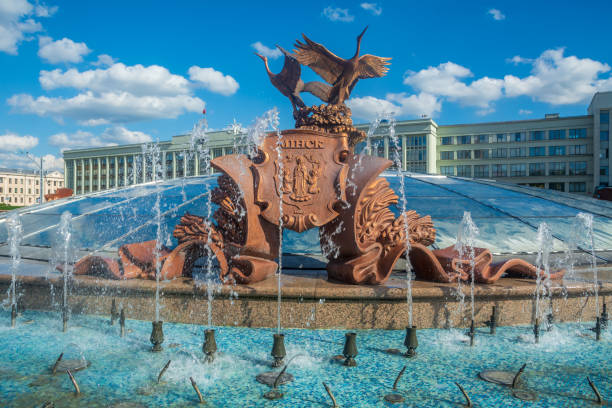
<point>304,170</point>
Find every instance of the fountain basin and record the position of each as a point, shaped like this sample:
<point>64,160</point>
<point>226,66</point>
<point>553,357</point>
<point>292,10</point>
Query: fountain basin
<point>123,370</point>
<point>311,301</point>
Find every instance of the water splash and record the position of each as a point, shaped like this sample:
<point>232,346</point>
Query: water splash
<point>583,225</point>
<point>466,241</point>
<point>64,250</point>
<point>15,235</point>
<point>545,243</point>
<point>151,152</point>
<point>397,163</point>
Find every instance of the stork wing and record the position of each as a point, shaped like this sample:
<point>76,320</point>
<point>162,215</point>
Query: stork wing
<point>290,74</point>
<point>318,89</point>
<point>371,66</point>
<point>319,59</point>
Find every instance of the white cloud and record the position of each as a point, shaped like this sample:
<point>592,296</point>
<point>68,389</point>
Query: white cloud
<point>445,80</point>
<point>559,80</point>
<point>16,22</point>
<point>338,14</point>
<point>266,51</point>
<point>20,161</point>
<point>64,50</point>
<point>112,136</point>
<point>42,10</point>
<point>525,112</point>
<point>398,104</point>
<point>497,15</point>
<point>107,107</point>
<point>104,60</point>
<point>136,79</point>
<point>517,59</point>
<point>374,8</point>
<point>214,80</point>
<point>14,142</point>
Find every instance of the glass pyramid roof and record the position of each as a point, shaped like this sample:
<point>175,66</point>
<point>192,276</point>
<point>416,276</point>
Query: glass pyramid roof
<point>507,215</point>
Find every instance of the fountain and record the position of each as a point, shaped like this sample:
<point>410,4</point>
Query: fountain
<point>275,200</point>
<point>15,231</point>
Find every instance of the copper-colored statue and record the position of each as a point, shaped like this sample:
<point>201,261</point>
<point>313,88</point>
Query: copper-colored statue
<point>289,83</point>
<point>342,74</point>
<point>305,178</point>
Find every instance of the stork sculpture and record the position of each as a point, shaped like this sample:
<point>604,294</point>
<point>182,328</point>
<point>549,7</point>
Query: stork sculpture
<point>342,74</point>
<point>288,81</point>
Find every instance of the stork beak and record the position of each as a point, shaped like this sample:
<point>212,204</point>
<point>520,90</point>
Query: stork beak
<point>260,56</point>
<point>362,33</point>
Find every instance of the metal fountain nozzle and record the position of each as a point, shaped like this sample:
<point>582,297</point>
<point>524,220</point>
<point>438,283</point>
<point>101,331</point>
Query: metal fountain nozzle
<point>157,336</point>
<point>278,350</point>
<point>122,322</point>
<point>13,315</point>
<point>210,345</point>
<point>114,313</point>
<point>536,330</point>
<point>411,341</point>
<point>350,349</point>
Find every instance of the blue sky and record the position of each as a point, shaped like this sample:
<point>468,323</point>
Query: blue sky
<point>79,74</point>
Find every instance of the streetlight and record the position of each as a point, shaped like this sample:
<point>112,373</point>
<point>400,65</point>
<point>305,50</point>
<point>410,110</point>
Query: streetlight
<point>40,166</point>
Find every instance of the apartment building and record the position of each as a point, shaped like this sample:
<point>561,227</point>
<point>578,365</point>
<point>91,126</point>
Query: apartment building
<point>22,187</point>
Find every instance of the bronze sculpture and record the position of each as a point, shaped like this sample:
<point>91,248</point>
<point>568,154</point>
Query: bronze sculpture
<point>342,74</point>
<point>289,83</point>
<point>304,178</point>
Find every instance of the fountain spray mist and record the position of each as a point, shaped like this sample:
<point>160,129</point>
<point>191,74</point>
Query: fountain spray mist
<point>545,241</point>
<point>65,255</point>
<point>199,146</point>
<point>151,153</point>
<point>466,240</point>
<point>585,226</point>
<point>15,234</point>
<point>397,162</point>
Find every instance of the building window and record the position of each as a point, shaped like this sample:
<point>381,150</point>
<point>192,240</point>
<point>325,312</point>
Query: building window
<point>604,135</point>
<point>556,134</point>
<point>464,171</point>
<point>481,154</point>
<point>556,169</point>
<point>464,139</point>
<point>217,152</point>
<point>482,139</point>
<point>604,153</point>
<point>604,117</point>
<point>498,153</point>
<point>517,152</point>
<point>577,133</point>
<point>576,149</point>
<point>447,140</point>
<point>577,187</point>
<point>499,170</point>
<point>556,186</point>
<point>447,170</point>
<point>536,135</point>
<point>537,169</point>
<point>500,138</point>
<point>464,154</point>
<point>447,155</point>
<point>578,168</point>
<point>229,150</point>
<point>603,171</point>
<point>518,170</point>
<point>556,150</point>
<point>519,137</point>
<point>481,170</point>
<point>537,151</point>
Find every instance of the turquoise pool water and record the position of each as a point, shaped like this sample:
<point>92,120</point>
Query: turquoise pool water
<point>123,371</point>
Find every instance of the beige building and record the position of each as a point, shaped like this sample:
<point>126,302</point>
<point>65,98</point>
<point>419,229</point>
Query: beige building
<point>22,187</point>
<point>569,154</point>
